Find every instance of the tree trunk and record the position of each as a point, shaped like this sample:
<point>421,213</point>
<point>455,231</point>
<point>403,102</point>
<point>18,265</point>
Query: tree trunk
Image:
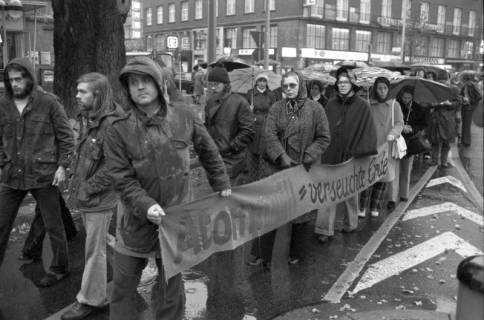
<point>88,37</point>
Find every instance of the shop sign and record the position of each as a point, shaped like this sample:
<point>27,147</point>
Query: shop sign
<point>428,60</point>
<point>185,43</point>
<point>333,55</point>
<point>387,22</point>
<point>289,52</point>
<point>385,57</point>
<point>245,52</point>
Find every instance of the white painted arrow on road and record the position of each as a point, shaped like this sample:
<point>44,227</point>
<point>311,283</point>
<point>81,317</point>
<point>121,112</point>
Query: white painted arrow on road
<point>447,179</point>
<point>411,257</point>
<point>444,207</point>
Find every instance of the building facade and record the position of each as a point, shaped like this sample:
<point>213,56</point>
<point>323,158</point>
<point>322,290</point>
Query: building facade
<point>303,32</point>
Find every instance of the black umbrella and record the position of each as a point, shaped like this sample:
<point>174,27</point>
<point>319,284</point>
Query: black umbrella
<point>230,63</point>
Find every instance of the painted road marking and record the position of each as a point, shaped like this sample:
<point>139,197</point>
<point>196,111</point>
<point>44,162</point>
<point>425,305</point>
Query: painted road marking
<point>444,207</point>
<point>345,280</point>
<point>476,195</point>
<point>447,179</point>
<point>413,256</point>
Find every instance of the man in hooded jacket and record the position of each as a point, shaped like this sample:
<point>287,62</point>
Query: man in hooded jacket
<point>353,135</point>
<point>148,158</point>
<point>36,143</point>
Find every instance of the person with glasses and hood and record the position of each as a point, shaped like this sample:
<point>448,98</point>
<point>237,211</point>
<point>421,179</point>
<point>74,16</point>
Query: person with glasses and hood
<point>387,130</point>
<point>353,135</point>
<point>147,153</point>
<point>229,121</point>
<point>296,132</point>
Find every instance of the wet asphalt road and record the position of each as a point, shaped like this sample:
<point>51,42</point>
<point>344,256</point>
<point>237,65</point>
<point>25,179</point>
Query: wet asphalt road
<point>224,287</point>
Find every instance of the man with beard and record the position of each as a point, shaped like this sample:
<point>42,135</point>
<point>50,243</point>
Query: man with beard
<point>92,189</point>
<point>35,147</point>
<point>229,121</point>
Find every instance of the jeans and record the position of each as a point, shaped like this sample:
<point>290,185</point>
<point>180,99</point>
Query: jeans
<point>167,297</point>
<point>33,244</point>
<point>94,278</point>
<point>47,198</point>
<point>326,217</point>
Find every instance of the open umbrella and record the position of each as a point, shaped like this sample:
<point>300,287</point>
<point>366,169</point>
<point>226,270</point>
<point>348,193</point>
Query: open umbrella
<point>392,66</point>
<point>320,67</point>
<point>242,80</point>
<point>324,77</point>
<point>351,64</point>
<point>424,90</point>
<point>230,63</point>
<point>471,74</point>
<point>441,74</point>
<point>365,77</point>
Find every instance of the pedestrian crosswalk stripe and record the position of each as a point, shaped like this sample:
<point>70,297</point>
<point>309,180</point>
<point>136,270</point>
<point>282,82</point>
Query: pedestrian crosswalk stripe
<point>444,207</point>
<point>413,256</point>
<point>447,179</point>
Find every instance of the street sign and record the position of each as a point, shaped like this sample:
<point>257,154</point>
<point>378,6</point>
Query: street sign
<point>185,43</point>
<point>172,42</point>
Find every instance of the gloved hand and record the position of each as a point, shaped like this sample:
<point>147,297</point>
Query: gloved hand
<point>285,161</point>
<point>390,137</point>
<point>307,161</point>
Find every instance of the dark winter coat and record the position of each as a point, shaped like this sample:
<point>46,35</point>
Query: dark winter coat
<point>262,102</point>
<point>148,159</point>
<point>34,144</point>
<point>231,124</point>
<point>442,121</point>
<point>91,187</point>
<point>322,100</point>
<point>307,132</point>
<point>199,83</point>
<point>415,116</point>
<point>353,131</point>
<point>470,90</point>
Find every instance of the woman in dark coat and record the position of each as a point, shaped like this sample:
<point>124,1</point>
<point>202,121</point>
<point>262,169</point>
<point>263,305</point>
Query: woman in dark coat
<point>442,128</point>
<point>471,97</point>
<point>353,135</point>
<point>260,99</point>
<point>296,132</point>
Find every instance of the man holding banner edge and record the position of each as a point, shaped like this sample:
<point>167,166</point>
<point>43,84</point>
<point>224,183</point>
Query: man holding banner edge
<point>148,158</point>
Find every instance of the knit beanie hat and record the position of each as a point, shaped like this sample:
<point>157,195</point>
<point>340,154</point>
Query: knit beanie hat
<point>219,74</point>
<point>261,76</point>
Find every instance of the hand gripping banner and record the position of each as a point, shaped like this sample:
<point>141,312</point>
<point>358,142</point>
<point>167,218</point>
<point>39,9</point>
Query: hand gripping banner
<point>191,232</point>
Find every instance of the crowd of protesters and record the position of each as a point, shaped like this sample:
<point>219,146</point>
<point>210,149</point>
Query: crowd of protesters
<point>132,161</point>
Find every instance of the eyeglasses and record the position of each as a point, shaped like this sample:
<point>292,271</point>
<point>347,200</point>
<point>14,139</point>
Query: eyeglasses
<point>289,85</point>
<point>262,80</point>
